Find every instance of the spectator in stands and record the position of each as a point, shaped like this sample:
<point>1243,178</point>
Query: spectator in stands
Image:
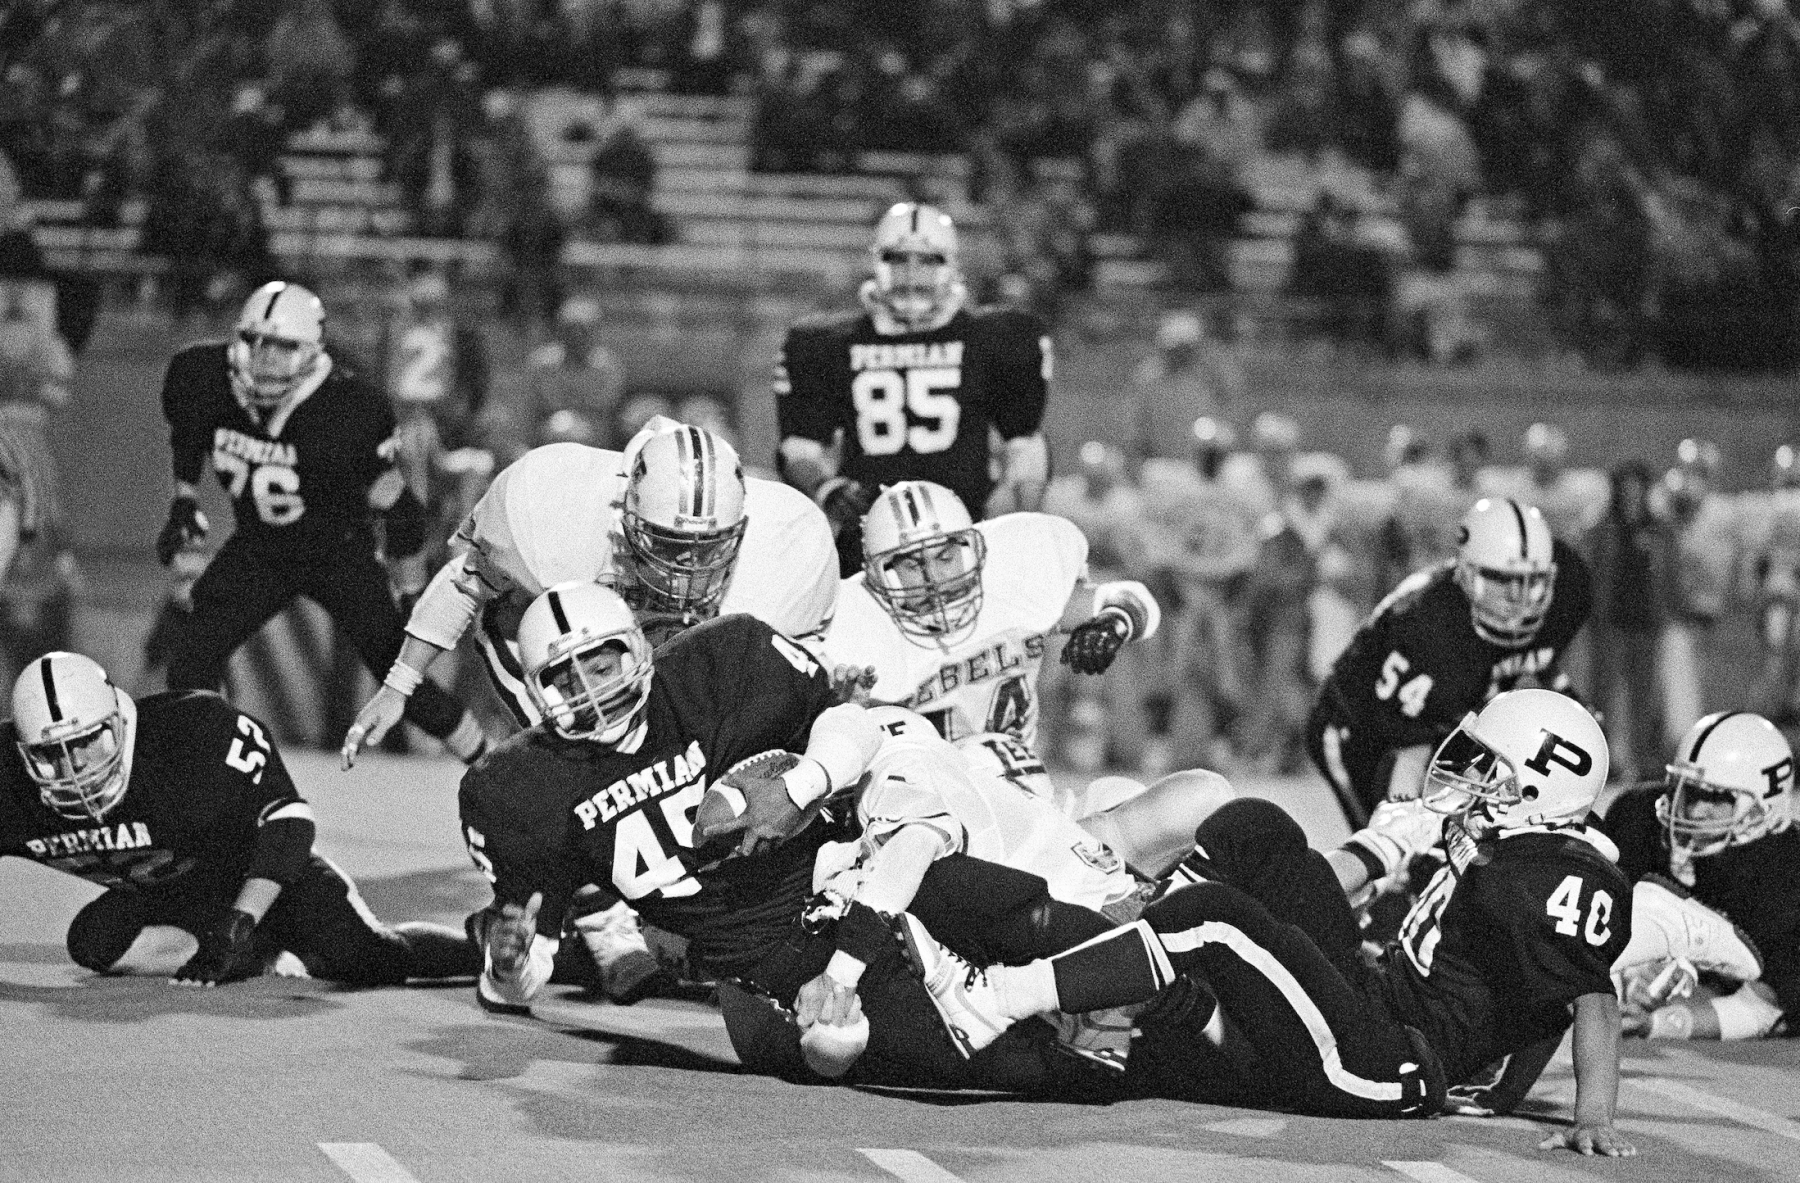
<point>1630,552</point>
<point>1190,376</point>
<point>435,117</point>
<point>514,209</point>
<point>310,61</point>
<point>1264,475</point>
<point>1705,560</point>
<point>706,60</point>
<point>1278,602</point>
<point>573,382</point>
<point>1350,282</point>
<point>1196,212</point>
<point>1598,275</point>
<point>622,183</point>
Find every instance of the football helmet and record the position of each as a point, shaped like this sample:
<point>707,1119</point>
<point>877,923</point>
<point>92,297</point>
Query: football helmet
<point>922,560</point>
<point>1546,445</point>
<point>1731,782</point>
<point>1505,564</point>
<point>916,270</point>
<point>279,338</point>
<point>1529,757</point>
<point>684,520</point>
<point>587,662</point>
<point>1784,468</point>
<point>73,734</point>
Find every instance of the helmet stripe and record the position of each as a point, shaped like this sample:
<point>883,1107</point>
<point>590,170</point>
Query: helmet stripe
<point>915,219</point>
<point>557,613</point>
<point>269,312</point>
<point>926,508</point>
<point>1524,534</point>
<point>1699,740</point>
<point>703,477</point>
<point>50,698</point>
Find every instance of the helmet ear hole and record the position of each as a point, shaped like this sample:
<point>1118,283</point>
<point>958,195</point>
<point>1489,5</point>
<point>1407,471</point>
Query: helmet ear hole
<point>1528,792</point>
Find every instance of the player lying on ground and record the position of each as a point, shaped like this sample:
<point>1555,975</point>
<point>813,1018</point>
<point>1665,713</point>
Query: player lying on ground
<point>1516,934</point>
<point>304,448</point>
<point>182,809</point>
<point>1720,823</point>
<point>675,526</point>
<point>1445,641</point>
<point>613,787</point>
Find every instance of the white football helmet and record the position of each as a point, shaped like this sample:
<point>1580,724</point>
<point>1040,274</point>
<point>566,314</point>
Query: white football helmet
<point>279,338</point>
<point>73,734</point>
<point>1529,757</point>
<point>1505,564</point>
<point>684,520</point>
<point>922,560</point>
<point>1731,782</point>
<point>916,270</point>
<point>587,662</point>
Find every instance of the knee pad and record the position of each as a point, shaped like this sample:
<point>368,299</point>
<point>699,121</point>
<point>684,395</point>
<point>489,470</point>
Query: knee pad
<point>101,934</point>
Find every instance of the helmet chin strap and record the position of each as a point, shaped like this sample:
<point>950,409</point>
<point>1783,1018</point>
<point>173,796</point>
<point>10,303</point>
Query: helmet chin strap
<point>888,325</point>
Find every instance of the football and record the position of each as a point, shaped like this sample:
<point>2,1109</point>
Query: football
<point>724,801</point>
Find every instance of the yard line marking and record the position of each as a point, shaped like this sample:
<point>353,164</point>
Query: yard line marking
<point>1428,1172</point>
<point>909,1165</point>
<point>1248,1127</point>
<point>366,1162</point>
<point>1743,1114</point>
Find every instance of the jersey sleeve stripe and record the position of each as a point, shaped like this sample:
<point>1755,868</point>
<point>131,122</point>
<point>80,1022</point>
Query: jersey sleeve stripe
<point>287,811</point>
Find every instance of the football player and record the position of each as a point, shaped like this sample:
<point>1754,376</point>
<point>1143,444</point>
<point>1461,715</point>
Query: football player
<point>1516,934</point>
<point>1720,823</point>
<point>182,809</point>
<point>304,449</point>
<point>912,385</point>
<point>1446,640</point>
<point>613,786</point>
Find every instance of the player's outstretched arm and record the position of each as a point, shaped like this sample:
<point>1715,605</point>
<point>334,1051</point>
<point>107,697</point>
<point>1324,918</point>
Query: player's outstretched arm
<point>1596,1047</point>
<point>1109,616</point>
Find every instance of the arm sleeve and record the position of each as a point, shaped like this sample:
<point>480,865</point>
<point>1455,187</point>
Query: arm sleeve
<point>804,401</point>
<point>405,526</point>
<point>284,841</point>
<point>448,604</point>
<point>896,800</point>
<point>189,438</point>
<point>517,851</point>
<point>1025,359</point>
<point>839,747</point>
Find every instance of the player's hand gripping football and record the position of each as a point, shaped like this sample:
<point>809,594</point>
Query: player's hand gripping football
<point>509,936</point>
<point>1094,643</point>
<point>769,818</point>
<point>227,953</point>
<point>186,527</point>
<point>373,722</point>
<point>1590,1139</point>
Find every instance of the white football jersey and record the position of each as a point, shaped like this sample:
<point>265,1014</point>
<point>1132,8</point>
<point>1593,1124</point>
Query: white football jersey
<point>917,778</point>
<point>988,680</point>
<point>787,568</point>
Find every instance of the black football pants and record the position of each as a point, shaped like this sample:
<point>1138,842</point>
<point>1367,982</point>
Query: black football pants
<point>1357,769</point>
<point>251,579</point>
<point>319,918</point>
<point>1271,934</point>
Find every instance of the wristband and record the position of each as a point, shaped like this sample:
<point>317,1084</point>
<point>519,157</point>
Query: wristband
<point>403,679</point>
<point>806,782</point>
<point>845,969</point>
<point>1672,1022</point>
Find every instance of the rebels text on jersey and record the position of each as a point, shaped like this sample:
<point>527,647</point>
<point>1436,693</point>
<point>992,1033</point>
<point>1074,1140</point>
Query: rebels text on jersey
<point>1756,884</point>
<point>545,814</point>
<point>1488,963</point>
<point>915,406</point>
<point>202,777</point>
<point>1416,665</point>
<point>988,680</point>
<point>304,470</point>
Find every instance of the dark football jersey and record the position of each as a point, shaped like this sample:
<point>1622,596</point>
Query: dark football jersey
<point>1488,963</point>
<point>545,814</point>
<point>1757,884</point>
<point>202,777</point>
<point>1416,666</point>
<point>289,476</point>
<point>915,406</point>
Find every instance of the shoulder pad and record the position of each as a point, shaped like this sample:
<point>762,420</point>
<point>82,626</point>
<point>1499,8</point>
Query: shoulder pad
<point>823,324</point>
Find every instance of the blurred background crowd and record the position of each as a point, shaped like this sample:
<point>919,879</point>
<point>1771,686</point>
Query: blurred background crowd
<point>1597,187</point>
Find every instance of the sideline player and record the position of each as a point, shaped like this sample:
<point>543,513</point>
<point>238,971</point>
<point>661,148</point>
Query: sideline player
<point>304,449</point>
<point>1516,934</point>
<point>182,809</point>
<point>1721,824</point>
<point>1446,640</point>
<point>613,787</point>
<point>672,522</point>
<point>912,385</point>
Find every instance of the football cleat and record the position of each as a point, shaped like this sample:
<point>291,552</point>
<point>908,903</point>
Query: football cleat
<point>1102,1037</point>
<point>1691,931</point>
<point>629,972</point>
<point>962,993</point>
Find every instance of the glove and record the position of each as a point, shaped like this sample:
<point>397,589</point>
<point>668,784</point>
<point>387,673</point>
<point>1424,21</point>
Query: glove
<point>186,526</point>
<point>1094,643</point>
<point>844,502</point>
<point>227,953</point>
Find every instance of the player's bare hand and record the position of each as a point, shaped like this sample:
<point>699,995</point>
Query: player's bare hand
<point>853,683</point>
<point>827,1000</point>
<point>509,937</point>
<point>770,816</point>
<point>1589,1139</point>
<point>373,722</point>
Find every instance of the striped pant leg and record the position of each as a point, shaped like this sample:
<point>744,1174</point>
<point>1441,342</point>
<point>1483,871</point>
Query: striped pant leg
<point>500,654</point>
